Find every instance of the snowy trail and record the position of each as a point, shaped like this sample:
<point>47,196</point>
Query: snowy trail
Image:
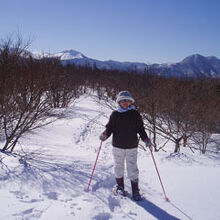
<point>49,181</point>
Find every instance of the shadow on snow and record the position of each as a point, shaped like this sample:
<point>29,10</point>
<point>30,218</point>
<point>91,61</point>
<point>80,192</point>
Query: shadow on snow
<point>155,211</point>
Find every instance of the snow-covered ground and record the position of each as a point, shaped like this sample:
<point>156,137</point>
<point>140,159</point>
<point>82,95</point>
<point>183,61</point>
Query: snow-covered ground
<point>49,181</point>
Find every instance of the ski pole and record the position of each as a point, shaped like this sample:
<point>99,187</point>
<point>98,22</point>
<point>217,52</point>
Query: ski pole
<point>159,175</point>
<point>94,166</point>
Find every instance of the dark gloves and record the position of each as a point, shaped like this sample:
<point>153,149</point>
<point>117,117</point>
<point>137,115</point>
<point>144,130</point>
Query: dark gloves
<point>103,136</point>
<point>148,143</point>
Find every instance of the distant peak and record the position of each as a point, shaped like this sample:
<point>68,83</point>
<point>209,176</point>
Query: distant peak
<point>194,58</point>
<point>73,52</point>
<point>69,54</point>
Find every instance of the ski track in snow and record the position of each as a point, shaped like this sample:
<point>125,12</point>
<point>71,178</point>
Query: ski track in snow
<point>49,180</point>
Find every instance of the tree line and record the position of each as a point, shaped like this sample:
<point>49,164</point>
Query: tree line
<point>185,111</point>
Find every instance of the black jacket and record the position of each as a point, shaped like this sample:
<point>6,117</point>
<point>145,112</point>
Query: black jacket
<point>125,127</point>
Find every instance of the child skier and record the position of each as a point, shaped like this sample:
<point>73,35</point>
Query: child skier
<point>125,123</point>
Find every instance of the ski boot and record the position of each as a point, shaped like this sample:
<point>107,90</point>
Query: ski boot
<point>135,190</point>
<point>119,188</point>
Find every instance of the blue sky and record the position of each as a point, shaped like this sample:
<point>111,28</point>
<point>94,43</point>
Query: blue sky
<point>154,31</point>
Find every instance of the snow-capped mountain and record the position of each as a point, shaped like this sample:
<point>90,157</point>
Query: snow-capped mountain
<point>69,55</point>
<point>75,57</point>
<point>192,66</point>
<point>64,55</point>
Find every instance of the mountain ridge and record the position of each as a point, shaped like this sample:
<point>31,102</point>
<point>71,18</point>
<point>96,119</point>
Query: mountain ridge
<point>195,65</point>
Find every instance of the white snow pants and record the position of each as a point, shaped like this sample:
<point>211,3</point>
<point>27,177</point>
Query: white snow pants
<point>128,155</point>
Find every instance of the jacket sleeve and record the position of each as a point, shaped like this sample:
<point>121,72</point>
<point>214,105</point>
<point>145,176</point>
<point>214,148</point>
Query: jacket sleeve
<point>110,125</point>
<point>140,127</point>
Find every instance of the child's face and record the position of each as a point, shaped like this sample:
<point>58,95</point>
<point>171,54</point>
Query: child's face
<point>125,103</point>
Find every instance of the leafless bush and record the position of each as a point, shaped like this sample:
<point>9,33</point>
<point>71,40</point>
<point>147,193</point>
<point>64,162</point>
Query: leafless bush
<point>176,109</point>
<point>23,104</point>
